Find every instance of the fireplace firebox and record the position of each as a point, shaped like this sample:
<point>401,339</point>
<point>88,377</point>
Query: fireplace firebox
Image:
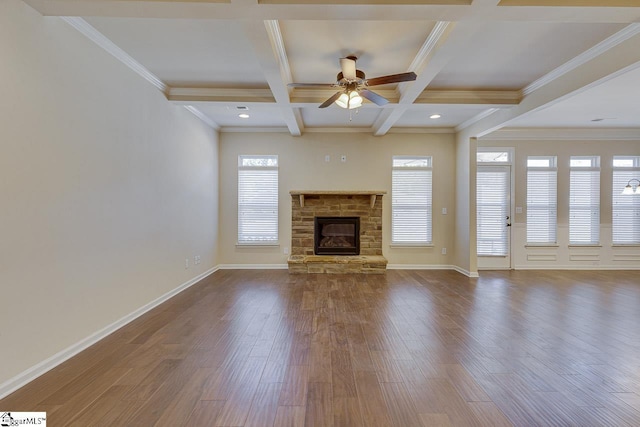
<point>336,235</point>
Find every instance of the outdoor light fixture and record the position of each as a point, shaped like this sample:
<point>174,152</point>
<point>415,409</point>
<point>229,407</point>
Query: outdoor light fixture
<point>632,189</point>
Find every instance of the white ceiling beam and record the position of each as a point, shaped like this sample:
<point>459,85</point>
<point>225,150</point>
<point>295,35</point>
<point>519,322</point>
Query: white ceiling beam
<point>269,49</point>
<point>617,60</point>
<point>444,43</point>
<point>479,10</point>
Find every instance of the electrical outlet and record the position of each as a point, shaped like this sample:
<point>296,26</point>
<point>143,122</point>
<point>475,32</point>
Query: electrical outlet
<point>327,158</point>
<point>286,251</point>
<point>186,263</point>
<point>196,259</point>
<point>444,251</point>
<point>444,211</point>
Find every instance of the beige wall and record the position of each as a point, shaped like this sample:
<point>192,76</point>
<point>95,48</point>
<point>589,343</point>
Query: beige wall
<point>106,189</point>
<point>368,167</point>
<point>604,256</point>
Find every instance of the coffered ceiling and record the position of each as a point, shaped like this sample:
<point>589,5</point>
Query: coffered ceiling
<point>482,65</point>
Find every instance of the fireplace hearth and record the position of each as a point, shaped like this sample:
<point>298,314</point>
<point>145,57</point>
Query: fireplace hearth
<point>337,235</point>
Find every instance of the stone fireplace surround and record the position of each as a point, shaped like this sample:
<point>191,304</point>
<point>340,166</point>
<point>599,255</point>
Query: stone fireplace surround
<point>306,205</point>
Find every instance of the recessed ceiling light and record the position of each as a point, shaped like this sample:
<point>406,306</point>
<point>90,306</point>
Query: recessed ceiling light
<point>435,116</point>
<point>243,116</point>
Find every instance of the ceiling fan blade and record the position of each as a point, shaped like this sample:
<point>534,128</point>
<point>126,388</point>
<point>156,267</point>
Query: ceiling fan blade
<point>393,78</point>
<point>348,66</point>
<point>331,100</point>
<point>373,97</point>
<point>312,85</point>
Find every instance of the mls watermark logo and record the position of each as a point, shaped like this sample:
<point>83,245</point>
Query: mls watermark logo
<point>10,419</point>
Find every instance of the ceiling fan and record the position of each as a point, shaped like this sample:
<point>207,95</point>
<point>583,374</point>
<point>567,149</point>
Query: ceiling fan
<point>353,85</point>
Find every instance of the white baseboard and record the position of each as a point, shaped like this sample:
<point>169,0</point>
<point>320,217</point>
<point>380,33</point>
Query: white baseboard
<point>253,266</point>
<point>46,365</point>
<point>419,267</point>
<point>430,267</point>
<point>472,274</point>
<point>577,267</point>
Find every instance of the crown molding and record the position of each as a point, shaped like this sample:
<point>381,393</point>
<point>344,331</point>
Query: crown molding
<point>98,38</point>
<point>432,130</point>
<point>476,118</point>
<point>236,129</point>
<point>199,114</point>
<point>586,56</point>
<point>202,94</point>
<point>277,42</point>
<point>454,96</point>
<point>564,134</point>
<point>428,46</point>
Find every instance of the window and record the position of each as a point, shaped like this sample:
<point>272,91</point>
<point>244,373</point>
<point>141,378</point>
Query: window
<point>490,156</point>
<point>257,200</point>
<point>411,201</point>
<point>625,209</point>
<point>542,199</point>
<point>584,200</point>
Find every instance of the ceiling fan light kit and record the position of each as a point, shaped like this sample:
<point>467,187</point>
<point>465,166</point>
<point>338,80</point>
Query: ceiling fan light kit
<point>353,83</point>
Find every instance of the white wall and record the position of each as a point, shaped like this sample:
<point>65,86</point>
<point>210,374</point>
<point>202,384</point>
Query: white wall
<point>465,190</point>
<point>563,256</point>
<point>368,167</point>
<point>105,189</point>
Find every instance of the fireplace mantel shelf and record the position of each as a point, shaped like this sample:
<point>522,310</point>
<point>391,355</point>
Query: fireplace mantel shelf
<point>371,194</point>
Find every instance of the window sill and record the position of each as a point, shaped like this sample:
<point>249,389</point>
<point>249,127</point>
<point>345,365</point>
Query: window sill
<point>258,244</point>
<point>411,245</point>
<point>625,245</point>
<point>586,245</point>
<point>541,245</point>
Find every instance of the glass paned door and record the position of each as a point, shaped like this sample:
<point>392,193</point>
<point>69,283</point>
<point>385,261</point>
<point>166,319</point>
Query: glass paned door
<point>493,194</point>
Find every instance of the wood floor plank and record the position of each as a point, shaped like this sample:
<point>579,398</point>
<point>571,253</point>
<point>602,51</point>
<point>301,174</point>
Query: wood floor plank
<point>264,406</point>
<point>346,412</point>
<point>436,420</point>
<point>204,413</point>
<point>428,348</point>
<point>371,398</point>
<point>319,411</point>
<point>289,416</point>
<point>237,406</point>
<point>294,389</point>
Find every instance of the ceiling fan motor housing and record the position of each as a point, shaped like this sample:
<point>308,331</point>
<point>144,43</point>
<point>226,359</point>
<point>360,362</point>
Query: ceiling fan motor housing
<point>359,77</point>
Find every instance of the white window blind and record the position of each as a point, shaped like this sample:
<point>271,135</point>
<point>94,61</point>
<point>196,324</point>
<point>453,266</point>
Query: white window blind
<point>542,199</point>
<point>411,190</point>
<point>584,200</point>
<point>492,195</point>
<point>257,199</point>
<point>625,208</point>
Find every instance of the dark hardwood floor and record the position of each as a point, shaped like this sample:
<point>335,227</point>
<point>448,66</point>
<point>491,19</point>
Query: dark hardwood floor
<point>409,348</point>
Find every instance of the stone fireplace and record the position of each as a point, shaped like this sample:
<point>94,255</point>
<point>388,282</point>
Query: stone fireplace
<point>336,232</point>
